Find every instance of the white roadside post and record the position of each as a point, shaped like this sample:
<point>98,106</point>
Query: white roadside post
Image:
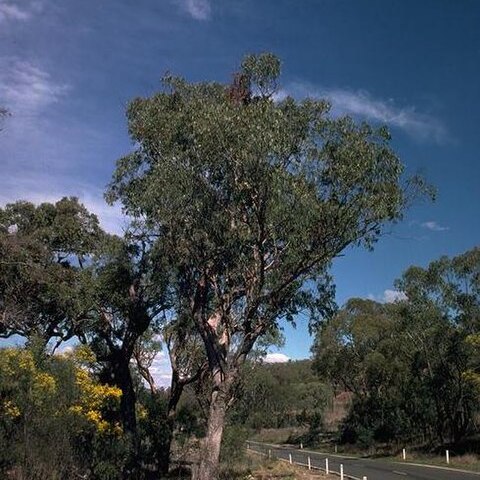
<point>248,446</point>
<point>365,478</point>
<point>335,449</point>
<point>447,456</point>
<point>309,463</point>
<point>404,454</point>
<point>327,471</point>
<point>290,458</point>
<point>269,453</point>
<point>301,446</point>
<point>341,471</point>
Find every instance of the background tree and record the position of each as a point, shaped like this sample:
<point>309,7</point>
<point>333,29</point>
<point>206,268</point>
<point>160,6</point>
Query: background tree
<point>444,301</point>
<point>250,200</point>
<point>411,365</point>
<point>62,277</point>
<point>42,253</point>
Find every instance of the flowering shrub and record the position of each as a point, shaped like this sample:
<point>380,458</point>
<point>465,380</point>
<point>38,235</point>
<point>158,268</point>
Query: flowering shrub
<point>56,419</point>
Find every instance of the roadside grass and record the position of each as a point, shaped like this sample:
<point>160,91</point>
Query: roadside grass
<point>257,467</point>
<point>277,435</point>
<point>467,461</point>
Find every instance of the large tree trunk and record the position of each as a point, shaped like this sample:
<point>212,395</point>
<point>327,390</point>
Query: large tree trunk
<point>123,379</point>
<point>210,455</point>
<point>176,389</point>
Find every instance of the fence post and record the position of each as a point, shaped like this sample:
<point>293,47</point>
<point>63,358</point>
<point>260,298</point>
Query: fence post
<point>290,458</point>
<point>327,471</point>
<point>309,463</point>
<point>447,456</point>
<point>404,454</point>
<point>341,471</point>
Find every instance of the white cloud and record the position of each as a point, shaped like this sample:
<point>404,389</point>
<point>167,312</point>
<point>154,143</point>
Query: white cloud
<point>434,226</point>
<point>39,188</point>
<point>9,11</point>
<point>40,155</point>
<point>161,370</point>
<point>392,296</point>
<point>362,104</point>
<point>27,89</point>
<point>198,9</point>
<point>276,358</point>
<point>388,296</point>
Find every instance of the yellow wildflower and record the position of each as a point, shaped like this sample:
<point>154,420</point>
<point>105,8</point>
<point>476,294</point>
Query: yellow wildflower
<point>10,409</point>
<point>45,382</point>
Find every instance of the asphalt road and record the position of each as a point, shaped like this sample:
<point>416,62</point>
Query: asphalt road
<point>357,468</point>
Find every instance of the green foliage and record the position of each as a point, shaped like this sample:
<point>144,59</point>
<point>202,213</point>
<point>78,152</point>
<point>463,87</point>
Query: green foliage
<point>280,395</point>
<point>42,249</point>
<point>412,365</point>
<point>263,71</point>
<point>233,443</point>
<point>274,188</point>
<point>56,420</point>
<point>248,200</point>
<point>154,428</point>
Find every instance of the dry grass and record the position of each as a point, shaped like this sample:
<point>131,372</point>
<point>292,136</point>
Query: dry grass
<point>468,461</point>
<point>277,435</point>
<point>260,468</point>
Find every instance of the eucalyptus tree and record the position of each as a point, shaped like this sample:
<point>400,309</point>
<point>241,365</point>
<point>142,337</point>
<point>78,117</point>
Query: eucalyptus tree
<point>127,299</point>
<point>42,251</point>
<point>443,311</point>
<point>62,277</point>
<point>411,366</point>
<point>250,198</point>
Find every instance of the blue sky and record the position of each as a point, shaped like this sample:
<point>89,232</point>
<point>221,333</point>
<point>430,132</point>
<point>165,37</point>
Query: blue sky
<point>68,69</point>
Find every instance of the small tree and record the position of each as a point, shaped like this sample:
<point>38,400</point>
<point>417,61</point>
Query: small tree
<point>42,253</point>
<point>63,277</point>
<point>250,199</point>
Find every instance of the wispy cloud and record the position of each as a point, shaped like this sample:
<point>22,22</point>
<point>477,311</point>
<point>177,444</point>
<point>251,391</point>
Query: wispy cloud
<point>434,226</point>
<point>10,11</point>
<point>43,156</point>
<point>198,9</point>
<point>26,88</point>
<point>362,104</point>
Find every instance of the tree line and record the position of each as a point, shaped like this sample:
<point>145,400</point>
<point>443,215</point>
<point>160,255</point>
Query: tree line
<point>411,366</point>
<point>238,203</point>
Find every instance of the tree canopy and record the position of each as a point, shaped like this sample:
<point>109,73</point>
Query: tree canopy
<point>250,199</point>
<point>412,366</point>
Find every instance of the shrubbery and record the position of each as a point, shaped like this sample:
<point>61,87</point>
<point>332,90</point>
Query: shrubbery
<point>56,420</point>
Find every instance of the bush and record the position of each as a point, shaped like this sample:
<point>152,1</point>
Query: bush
<point>233,443</point>
<point>56,420</point>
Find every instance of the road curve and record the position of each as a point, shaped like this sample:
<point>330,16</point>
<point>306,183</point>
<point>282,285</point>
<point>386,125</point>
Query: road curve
<point>357,468</point>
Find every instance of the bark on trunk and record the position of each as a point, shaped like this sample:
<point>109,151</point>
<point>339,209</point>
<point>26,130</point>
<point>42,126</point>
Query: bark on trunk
<point>123,380</point>
<point>176,390</point>
<point>209,462</point>
<point>163,452</point>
